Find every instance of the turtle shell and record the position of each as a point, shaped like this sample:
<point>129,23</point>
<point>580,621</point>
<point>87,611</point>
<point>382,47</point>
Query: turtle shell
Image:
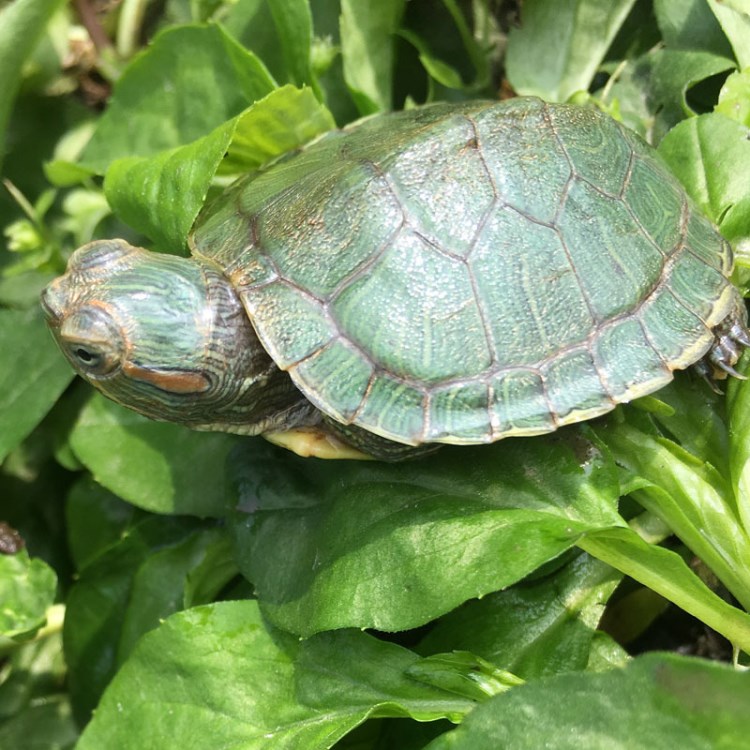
<point>463,273</point>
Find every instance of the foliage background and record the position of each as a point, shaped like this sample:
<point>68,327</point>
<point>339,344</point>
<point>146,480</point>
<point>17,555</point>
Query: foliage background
<point>205,590</point>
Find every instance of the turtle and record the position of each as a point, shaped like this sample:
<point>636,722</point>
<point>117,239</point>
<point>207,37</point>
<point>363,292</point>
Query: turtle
<point>454,273</point>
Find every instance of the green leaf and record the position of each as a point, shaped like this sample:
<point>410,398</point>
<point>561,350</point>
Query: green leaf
<point>96,519</point>
<point>690,24</point>
<point>367,38</point>
<point>294,26</point>
<point>559,46</point>
<point>19,20</point>
<point>656,701</point>
<point>188,82</point>
<point>162,195</point>
<point>160,467</point>
<point>734,17</point>
<point>672,73</point>
<point>695,419</point>
<point>691,497</point>
<point>738,417</point>
<point>666,573</point>
<point>463,673</point>
<point>394,546</point>
<point>734,97</point>
<point>27,590</point>
<point>125,592</point>
<point>710,155</point>
<point>284,120</point>
<point>536,628</point>
<point>46,724</point>
<point>34,712</point>
<point>216,677</point>
<point>33,374</point>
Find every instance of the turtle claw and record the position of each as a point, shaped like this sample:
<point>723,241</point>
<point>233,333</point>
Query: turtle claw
<point>731,336</point>
<point>731,371</point>
<point>740,334</point>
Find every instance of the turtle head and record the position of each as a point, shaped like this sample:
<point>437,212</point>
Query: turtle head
<point>164,335</point>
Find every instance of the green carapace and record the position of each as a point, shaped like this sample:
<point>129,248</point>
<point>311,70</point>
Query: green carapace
<point>456,273</point>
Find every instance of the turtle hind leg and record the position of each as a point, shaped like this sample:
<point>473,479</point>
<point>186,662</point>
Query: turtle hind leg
<point>731,337</point>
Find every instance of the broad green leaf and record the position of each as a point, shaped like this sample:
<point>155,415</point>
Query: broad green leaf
<point>557,49</point>
<point>125,592</point>
<point>666,573</point>
<point>188,82</point>
<point>33,374</point>
<point>27,590</point>
<point>22,23</point>
<point>157,466</point>
<point>162,195</point>
<point>216,677</point>
<point>656,701</point>
<point>535,628</point>
<point>734,97</point>
<point>734,17</point>
<point>710,155</point>
<point>393,546</point>
<point>367,38</point>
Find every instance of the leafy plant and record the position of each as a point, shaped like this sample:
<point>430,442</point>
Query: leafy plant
<point>219,591</point>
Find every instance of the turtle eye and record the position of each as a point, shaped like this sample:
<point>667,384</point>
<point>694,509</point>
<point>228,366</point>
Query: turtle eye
<point>92,340</point>
<point>91,358</point>
<point>86,356</point>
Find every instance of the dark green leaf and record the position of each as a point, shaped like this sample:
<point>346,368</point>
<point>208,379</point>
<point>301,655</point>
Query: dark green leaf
<point>33,374</point>
<point>20,20</point>
<point>96,519</point>
<point>124,593</point>
<point>393,546</point>
<point>536,628</point>
<point>161,467</point>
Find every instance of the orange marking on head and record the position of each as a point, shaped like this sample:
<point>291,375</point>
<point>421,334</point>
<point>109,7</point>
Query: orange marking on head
<point>167,380</point>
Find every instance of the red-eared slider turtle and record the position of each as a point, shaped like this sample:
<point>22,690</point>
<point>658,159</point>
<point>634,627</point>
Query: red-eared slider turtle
<point>449,274</point>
